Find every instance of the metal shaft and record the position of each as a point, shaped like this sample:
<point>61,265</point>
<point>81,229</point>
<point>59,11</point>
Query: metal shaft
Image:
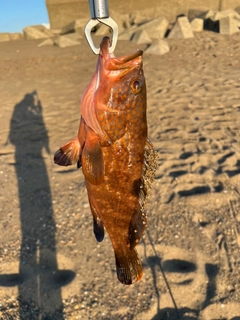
<point>98,9</point>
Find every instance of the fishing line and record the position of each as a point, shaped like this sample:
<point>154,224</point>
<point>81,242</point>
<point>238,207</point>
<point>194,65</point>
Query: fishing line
<point>164,277</point>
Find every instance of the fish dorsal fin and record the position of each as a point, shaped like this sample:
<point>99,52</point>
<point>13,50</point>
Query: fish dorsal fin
<point>139,218</point>
<point>68,154</point>
<point>92,159</point>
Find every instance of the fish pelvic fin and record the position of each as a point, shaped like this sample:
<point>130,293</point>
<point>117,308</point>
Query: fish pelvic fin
<point>68,154</point>
<point>98,227</point>
<point>92,159</point>
<point>128,264</point>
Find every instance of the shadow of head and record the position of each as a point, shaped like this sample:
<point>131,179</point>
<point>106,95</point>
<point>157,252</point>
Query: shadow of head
<point>178,266</point>
<point>173,314</point>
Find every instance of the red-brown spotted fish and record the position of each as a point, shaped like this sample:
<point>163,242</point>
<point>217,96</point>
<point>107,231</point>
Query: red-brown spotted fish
<point>118,161</point>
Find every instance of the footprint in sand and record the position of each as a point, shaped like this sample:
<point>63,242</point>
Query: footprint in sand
<point>192,278</point>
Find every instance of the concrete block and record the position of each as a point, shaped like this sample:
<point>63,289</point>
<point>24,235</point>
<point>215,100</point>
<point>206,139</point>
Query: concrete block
<point>128,34</point>
<point>228,26</point>
<point>63,12</point>
<point>4,36</point>
<point>141,37</point>
<point>16,36</point>
<point>226,13</point>
<point>122,20</point>
<point>158,47</point>
<point>209,14</point>
<point>75,26</point>
<point>137,18</point>
<point>181,29</point>
<point>102,30</point>
<point>197,25</point>
<point>238,9</point>
<point>36,32</point>
<point>66,41</point>
<point>196,13</point>
<point>156,28</point>
<point>47,42</point>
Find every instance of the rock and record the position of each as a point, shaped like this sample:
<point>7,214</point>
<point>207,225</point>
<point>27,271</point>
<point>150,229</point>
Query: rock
<point>47,42</point>
<point>16,36</point>
<point>197,25</point>
<point>36,32</point>
<point>66,41</point>
<point>4,36</point>
<point>75,26</point>
<point>228,26</point>
<point>141,37</point>
<point>181,29</point>
<point>158,47</point>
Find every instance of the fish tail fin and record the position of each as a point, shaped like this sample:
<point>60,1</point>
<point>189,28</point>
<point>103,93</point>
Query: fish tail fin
<point>128,264</point>
<point>68,154</point>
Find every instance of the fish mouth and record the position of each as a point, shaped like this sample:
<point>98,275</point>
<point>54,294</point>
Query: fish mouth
<point>122,64</point>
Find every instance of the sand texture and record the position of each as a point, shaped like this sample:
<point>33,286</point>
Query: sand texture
<point>51,266</point>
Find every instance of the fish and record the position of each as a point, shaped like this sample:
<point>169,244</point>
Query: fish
<point>118,160</point>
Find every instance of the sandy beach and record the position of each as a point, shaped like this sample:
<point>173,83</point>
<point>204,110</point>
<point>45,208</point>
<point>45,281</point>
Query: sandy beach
<point>51,266</point>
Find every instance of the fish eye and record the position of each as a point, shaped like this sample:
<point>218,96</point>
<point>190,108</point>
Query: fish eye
<point>136,85</point>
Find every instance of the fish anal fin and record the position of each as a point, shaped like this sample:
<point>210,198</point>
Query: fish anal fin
<point>68,154</point>
<point>137,227</point>
<point>92,159</point>
<point>128,265</point>
<point>98,227</point>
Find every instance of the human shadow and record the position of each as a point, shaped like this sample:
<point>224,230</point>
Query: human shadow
<point>39,280</point>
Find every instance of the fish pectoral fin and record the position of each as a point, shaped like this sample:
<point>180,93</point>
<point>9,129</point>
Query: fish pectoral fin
<point>98,227</point>
<point>137,227</point>
<point>68,154</point>
<point>128,264</point>
<point>92,159</point>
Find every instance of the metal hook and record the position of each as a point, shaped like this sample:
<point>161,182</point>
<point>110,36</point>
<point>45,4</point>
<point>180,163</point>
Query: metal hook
<point>108,22</point>
<point>99,14</point>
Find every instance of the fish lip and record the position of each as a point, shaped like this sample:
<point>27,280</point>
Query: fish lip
<point>124,62</point>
